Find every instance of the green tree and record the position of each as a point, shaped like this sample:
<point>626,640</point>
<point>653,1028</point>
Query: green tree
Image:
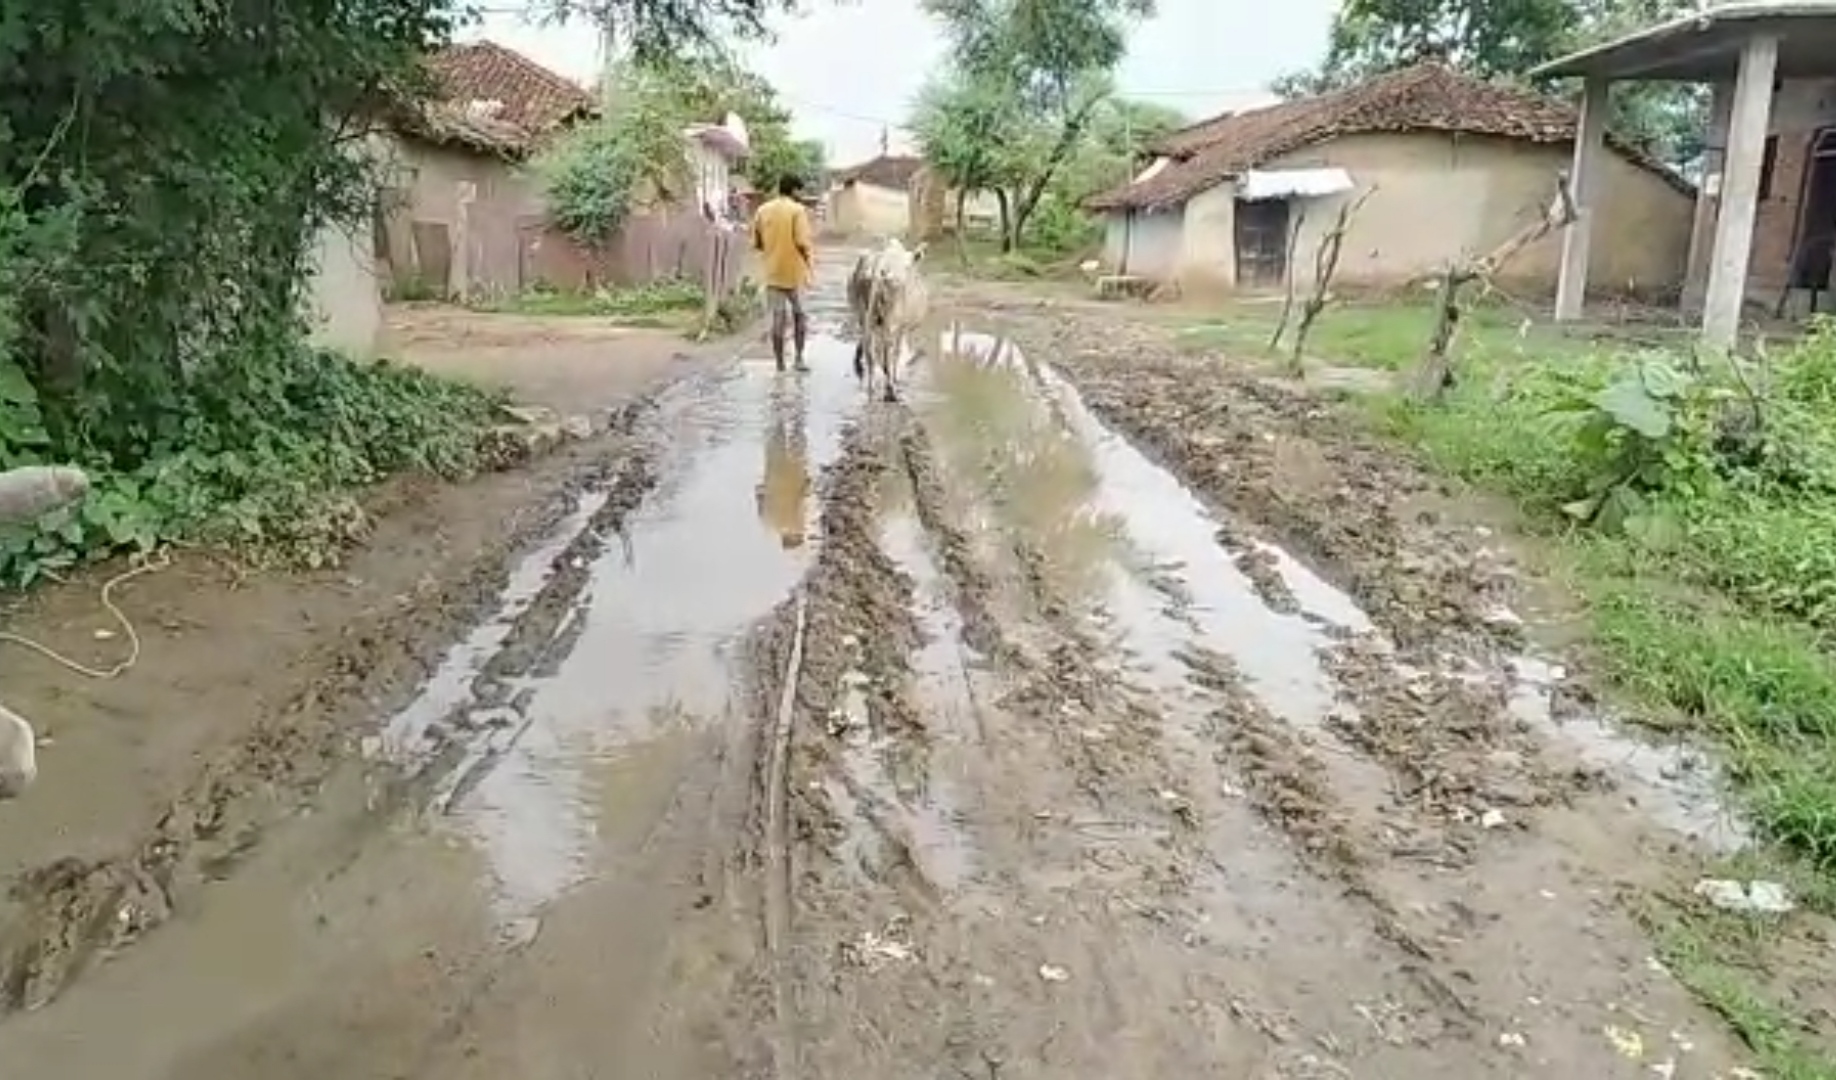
<point>598,172</point>
<point>971,131</point>
<point>1050,59</point>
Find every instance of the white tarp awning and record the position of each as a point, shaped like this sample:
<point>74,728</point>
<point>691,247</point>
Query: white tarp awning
<point>1293,183</point>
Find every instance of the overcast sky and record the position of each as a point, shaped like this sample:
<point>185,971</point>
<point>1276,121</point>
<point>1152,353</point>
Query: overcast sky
<point>848,69</point>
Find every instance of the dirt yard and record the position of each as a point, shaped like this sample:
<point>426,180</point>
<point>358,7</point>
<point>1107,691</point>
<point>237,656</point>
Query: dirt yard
<point>1085,714</point>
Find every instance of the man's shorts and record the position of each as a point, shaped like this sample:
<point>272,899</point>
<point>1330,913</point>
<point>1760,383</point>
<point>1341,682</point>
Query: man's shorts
<point>784,304</point>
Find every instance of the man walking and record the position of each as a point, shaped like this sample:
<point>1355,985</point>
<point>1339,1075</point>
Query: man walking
<point>781,236</point>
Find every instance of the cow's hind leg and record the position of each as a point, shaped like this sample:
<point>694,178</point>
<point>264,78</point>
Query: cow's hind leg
<point>860,358</point>
<point>889,359</point>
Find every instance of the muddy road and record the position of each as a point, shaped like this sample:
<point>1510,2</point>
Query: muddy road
<point>961,737</point>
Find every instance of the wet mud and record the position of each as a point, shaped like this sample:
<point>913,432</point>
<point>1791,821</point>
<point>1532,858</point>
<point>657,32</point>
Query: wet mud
<point>1079,715</point>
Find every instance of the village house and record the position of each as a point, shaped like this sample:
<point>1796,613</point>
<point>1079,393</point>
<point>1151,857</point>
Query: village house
<point>1765,218</point>
<point>465,216</point>
<point>874,198</point>
<point>1447,166</point>
<point>900,195</point>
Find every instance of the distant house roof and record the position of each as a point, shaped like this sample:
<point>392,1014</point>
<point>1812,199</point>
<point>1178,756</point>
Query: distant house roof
<point>887,171</point>
<point>496,100</point>
<point>1426,97</point>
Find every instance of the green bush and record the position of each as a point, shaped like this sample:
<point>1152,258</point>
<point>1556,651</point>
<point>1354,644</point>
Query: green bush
<point>166,171</point>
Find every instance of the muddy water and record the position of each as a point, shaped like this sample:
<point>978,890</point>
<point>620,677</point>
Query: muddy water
<point>643,647</point>
<point>561,769</point>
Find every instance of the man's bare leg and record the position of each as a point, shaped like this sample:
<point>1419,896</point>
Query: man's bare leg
<point>777,331</point>
<point>800,327</point>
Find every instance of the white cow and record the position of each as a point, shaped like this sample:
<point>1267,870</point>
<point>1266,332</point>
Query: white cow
<point>888,299</point>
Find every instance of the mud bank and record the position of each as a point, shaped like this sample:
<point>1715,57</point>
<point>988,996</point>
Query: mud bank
<point>63,915</point>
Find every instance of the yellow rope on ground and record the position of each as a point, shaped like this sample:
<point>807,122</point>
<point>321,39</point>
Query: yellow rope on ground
<point>159,561</point>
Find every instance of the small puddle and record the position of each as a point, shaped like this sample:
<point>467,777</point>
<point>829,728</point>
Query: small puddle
<point>573,733</point>
<point>1675,784</point>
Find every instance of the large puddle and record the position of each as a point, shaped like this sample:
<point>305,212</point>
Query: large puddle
<point>564,708</point>
<point>1174,583</point>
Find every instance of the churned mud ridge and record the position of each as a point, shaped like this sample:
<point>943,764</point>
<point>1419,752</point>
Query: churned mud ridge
<point>1259,566</point>
<point>1458,755</point>
<point>537,640</point>
<point>60,918</point>
<point>1250,447</point>
<point>972,584</point>
<point>857,631</point>
<point>1523,930</point>
<point>1289,786</point>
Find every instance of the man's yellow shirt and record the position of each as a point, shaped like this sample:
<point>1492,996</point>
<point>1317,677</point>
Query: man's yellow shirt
<point>781,233</point>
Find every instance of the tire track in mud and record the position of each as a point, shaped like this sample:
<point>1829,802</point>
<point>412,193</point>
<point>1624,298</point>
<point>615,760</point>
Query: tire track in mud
<point>1508,870</point>
<point>61,918</point>
<point>1287,778</point>
<point>1100,853</point>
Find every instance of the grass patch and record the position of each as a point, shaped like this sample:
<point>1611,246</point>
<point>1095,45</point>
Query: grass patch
<point>666,304</point>
<point>982,259</point>
<point>1714,955</point>
<point>1383,336</point>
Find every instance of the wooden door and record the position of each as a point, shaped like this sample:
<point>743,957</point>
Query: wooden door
<point>1262,242</point>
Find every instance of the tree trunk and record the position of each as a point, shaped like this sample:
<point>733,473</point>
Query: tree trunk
<point>1067,138</point>
<point>1007,230</point>
<point>962,233</point>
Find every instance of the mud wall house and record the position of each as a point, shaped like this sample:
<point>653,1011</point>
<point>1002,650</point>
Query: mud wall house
<point>464,216</point>
<point>344,294</point>
<point>874,198</point>
<point>1452,166</point>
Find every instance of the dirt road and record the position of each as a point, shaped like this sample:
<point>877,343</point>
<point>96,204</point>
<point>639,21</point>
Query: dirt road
<point>821,737</point>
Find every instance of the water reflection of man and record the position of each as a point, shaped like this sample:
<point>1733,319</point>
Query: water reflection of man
<point>786,486</point>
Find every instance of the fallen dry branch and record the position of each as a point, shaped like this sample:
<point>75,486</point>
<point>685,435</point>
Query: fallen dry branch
<point>1325,266</point>
<point>1435,374</point>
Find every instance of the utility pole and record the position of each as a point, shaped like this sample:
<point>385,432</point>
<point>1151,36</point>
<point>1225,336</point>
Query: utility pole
<point>885,140</point>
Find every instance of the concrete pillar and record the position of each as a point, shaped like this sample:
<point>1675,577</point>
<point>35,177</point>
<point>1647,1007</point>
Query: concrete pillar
<point>1585,186</point>
<point>1708,197</point>
<point>1749,118</point>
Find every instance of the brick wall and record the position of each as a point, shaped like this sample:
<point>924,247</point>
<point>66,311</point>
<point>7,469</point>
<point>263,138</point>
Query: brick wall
<point>1799,109</point>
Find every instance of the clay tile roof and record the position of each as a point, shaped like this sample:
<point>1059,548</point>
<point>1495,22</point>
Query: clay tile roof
<point>887,171</point>
<point>443,122</point>
<point>534,99</point>
<point>1427,97</point>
